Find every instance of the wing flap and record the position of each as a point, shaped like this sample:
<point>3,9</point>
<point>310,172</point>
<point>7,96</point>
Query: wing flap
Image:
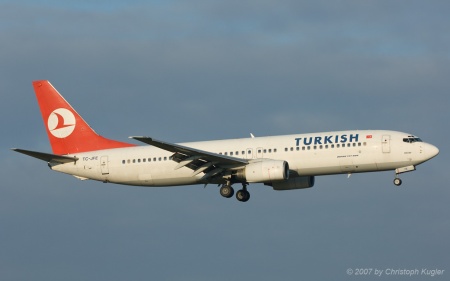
<point>204,167</point>
<point>213,165</point>
<point>187,161</point>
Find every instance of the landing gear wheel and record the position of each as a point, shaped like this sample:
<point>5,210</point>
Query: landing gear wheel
<point>226,191</point>
<point>243,195</point>
<point>397,181</point>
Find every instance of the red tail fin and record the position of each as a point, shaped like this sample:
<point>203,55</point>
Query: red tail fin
<point>67,131</point>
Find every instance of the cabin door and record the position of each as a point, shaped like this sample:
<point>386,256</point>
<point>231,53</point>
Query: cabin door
<point>104,165</point>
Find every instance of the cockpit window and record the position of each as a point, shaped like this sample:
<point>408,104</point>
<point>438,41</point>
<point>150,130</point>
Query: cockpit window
<point>411,139</point>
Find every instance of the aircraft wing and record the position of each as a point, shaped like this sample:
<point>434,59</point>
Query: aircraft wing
<point>47,156</point>
<point>210,163</point>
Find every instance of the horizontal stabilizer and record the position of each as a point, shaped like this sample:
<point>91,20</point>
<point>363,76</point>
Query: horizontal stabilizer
<point>47,156</point>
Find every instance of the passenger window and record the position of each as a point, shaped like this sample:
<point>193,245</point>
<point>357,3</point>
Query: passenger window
<point>123,161</point>
<point>165,158</point>
<point>264,151</point>
<point>139,160</point>
<point>134,160</point>
<point>231,153</point>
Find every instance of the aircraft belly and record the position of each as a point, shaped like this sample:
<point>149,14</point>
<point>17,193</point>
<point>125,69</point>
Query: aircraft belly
<point>394,160</point>
<point>153,176</point>
<point>335,164</point>
<point>175,181</point>
<point>165,177</point>
<point>333,170</point>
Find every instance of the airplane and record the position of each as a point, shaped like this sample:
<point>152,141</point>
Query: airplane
<point>284,162</point>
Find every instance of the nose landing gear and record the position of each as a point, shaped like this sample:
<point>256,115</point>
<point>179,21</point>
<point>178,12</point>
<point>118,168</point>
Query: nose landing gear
<point>397,181</point>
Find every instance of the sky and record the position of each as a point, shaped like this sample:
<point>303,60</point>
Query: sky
<point>185,71</point>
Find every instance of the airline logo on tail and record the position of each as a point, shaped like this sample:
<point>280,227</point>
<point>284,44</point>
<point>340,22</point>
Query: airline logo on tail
<point>61,123</point>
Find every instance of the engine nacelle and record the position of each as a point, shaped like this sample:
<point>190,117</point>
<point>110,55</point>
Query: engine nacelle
<point>294,183</point>
<point>264,171</point>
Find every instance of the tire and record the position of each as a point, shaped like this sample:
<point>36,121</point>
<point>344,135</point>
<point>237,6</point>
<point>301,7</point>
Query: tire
<point>226,191</point>
<point>397,181</point>
<point>242,195</point>
<point>247,196</point>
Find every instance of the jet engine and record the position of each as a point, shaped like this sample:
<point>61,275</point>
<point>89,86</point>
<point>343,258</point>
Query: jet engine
<point>293,183</point>
<point>264,171</point>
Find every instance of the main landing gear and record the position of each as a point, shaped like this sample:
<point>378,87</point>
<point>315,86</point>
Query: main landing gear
<point>227,191</point>
<point>241,195</point>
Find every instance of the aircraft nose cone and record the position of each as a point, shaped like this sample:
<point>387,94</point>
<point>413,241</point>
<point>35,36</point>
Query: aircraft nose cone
<point>432,151</point>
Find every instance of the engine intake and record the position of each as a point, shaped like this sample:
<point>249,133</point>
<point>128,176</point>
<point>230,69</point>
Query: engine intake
<point>264,171</point>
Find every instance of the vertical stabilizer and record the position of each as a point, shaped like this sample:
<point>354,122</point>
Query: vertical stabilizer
<point>67,131</point>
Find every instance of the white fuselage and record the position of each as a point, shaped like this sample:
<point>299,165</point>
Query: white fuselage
<point>313,154</point>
